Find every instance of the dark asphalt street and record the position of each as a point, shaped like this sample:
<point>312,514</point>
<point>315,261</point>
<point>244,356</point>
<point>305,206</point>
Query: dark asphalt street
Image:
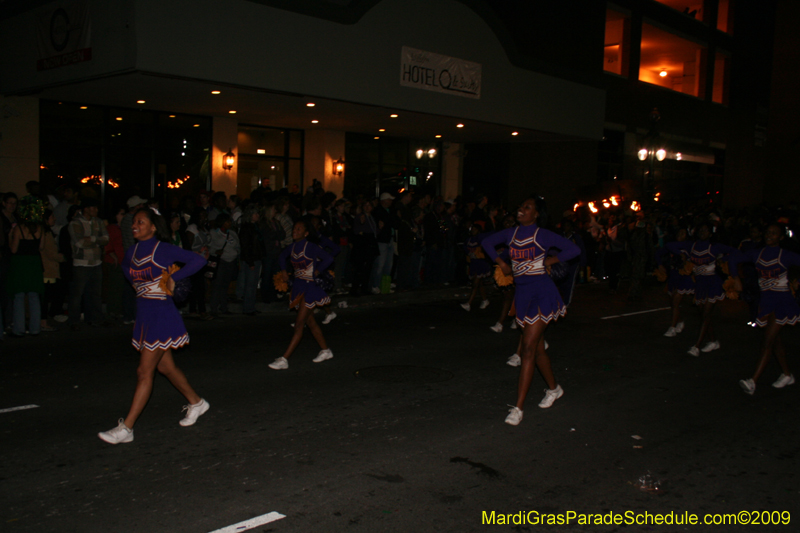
<point>403,430</point>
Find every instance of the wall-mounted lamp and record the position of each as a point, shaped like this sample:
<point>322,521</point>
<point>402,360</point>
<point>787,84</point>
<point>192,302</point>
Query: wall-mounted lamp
<point>338,167</point>
<point>420,153</point>
<point>642,154</point>
<point>228,160</point>
<point>432,152</point>
<point>661,154</point>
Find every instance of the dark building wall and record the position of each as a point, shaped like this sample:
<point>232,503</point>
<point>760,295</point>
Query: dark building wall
<point>554,170</point>
<point>783,129</point>
<point>486,171</point>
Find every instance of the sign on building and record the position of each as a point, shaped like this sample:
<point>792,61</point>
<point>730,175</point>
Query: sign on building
<point>64,35</point>
<point>443,74</point>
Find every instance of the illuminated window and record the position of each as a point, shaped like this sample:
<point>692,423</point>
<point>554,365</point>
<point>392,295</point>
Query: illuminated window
<point>682,60</point>
<point>617,43</point>
<point>722,64</point>
<point>725,16</point>
<point>692,8</point>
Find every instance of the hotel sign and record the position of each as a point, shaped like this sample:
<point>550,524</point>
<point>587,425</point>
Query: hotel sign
<point>64,35</point>
<point>442,74</point>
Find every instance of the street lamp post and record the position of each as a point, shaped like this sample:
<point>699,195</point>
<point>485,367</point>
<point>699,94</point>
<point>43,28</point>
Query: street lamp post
<point>652,150</point>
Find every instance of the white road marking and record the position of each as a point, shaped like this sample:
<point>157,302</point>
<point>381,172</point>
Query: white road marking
<point>20,408</point>
<point>250,524</point>
<point>636,313</point>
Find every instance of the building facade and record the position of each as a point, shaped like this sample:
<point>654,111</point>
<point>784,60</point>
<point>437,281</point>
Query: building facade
<point>451,96</point>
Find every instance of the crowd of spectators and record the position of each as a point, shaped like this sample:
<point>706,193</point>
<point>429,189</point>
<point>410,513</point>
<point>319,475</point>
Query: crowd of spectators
<point>397,241</point>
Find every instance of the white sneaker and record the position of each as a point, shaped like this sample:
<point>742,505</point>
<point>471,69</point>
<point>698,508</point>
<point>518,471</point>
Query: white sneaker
<point>281,363</point>
<point>514,416</point>
<point>466,307</point>
<point>497,328</point>
<point>121,433</point>
<point>693,351</point>
<point>550,396</point>
<point>484,304</point>
<point>710,347</point>
<point>514,360</point>
<point>324,355</point>
<point>376,290</point>
<point>193,412</point>
<point>679,327</point>
<point>329,318</point>
<point>513,323</point>
<point>671,332</point>
<point>748,386</point>
<point>783,381</point>
<point>60,318</point>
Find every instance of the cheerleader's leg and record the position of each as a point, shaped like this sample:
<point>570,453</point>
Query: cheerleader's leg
<point>533,356</point>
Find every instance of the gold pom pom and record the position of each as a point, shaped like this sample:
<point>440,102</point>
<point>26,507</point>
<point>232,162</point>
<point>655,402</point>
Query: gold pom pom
<point>501,279</point>
<point>166,275</point>
<point>687,270</point>
<point>729,286</point>
<point>280,283</point>
<point>661,274</point>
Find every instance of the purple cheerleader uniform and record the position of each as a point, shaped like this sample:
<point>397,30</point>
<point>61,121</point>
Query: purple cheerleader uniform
<point>703,255</point>
<point>772,264</point>
<point>306,257</point>
<point>675,280</point>
<point>158,324</point>
<point>536,296</point>
<point>479,267</point>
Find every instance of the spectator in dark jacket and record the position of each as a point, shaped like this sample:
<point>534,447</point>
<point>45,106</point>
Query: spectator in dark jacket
<point>252,243</point>
<point>271,234</point>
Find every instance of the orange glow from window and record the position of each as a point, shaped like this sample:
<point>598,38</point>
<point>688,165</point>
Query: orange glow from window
<point>680,58</point>
<point>616,43</point>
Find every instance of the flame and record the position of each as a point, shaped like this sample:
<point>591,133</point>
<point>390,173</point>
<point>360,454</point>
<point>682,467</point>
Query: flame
<point>177,183</point>
<point>592,208</point>
<point>98,180</point>
<point>606,204</point>
<point>635,206</point>
<point>576,206</point>
<point>614,201</point>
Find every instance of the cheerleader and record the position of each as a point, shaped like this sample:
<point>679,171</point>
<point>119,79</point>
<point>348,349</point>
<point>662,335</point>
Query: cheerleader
<point>536,299</point>
<point>308,261</point>
<point>150,267</point>
<point>777,306</point>
<point>708,286</point>
<point>479,267</point>
<point>679,282</point>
